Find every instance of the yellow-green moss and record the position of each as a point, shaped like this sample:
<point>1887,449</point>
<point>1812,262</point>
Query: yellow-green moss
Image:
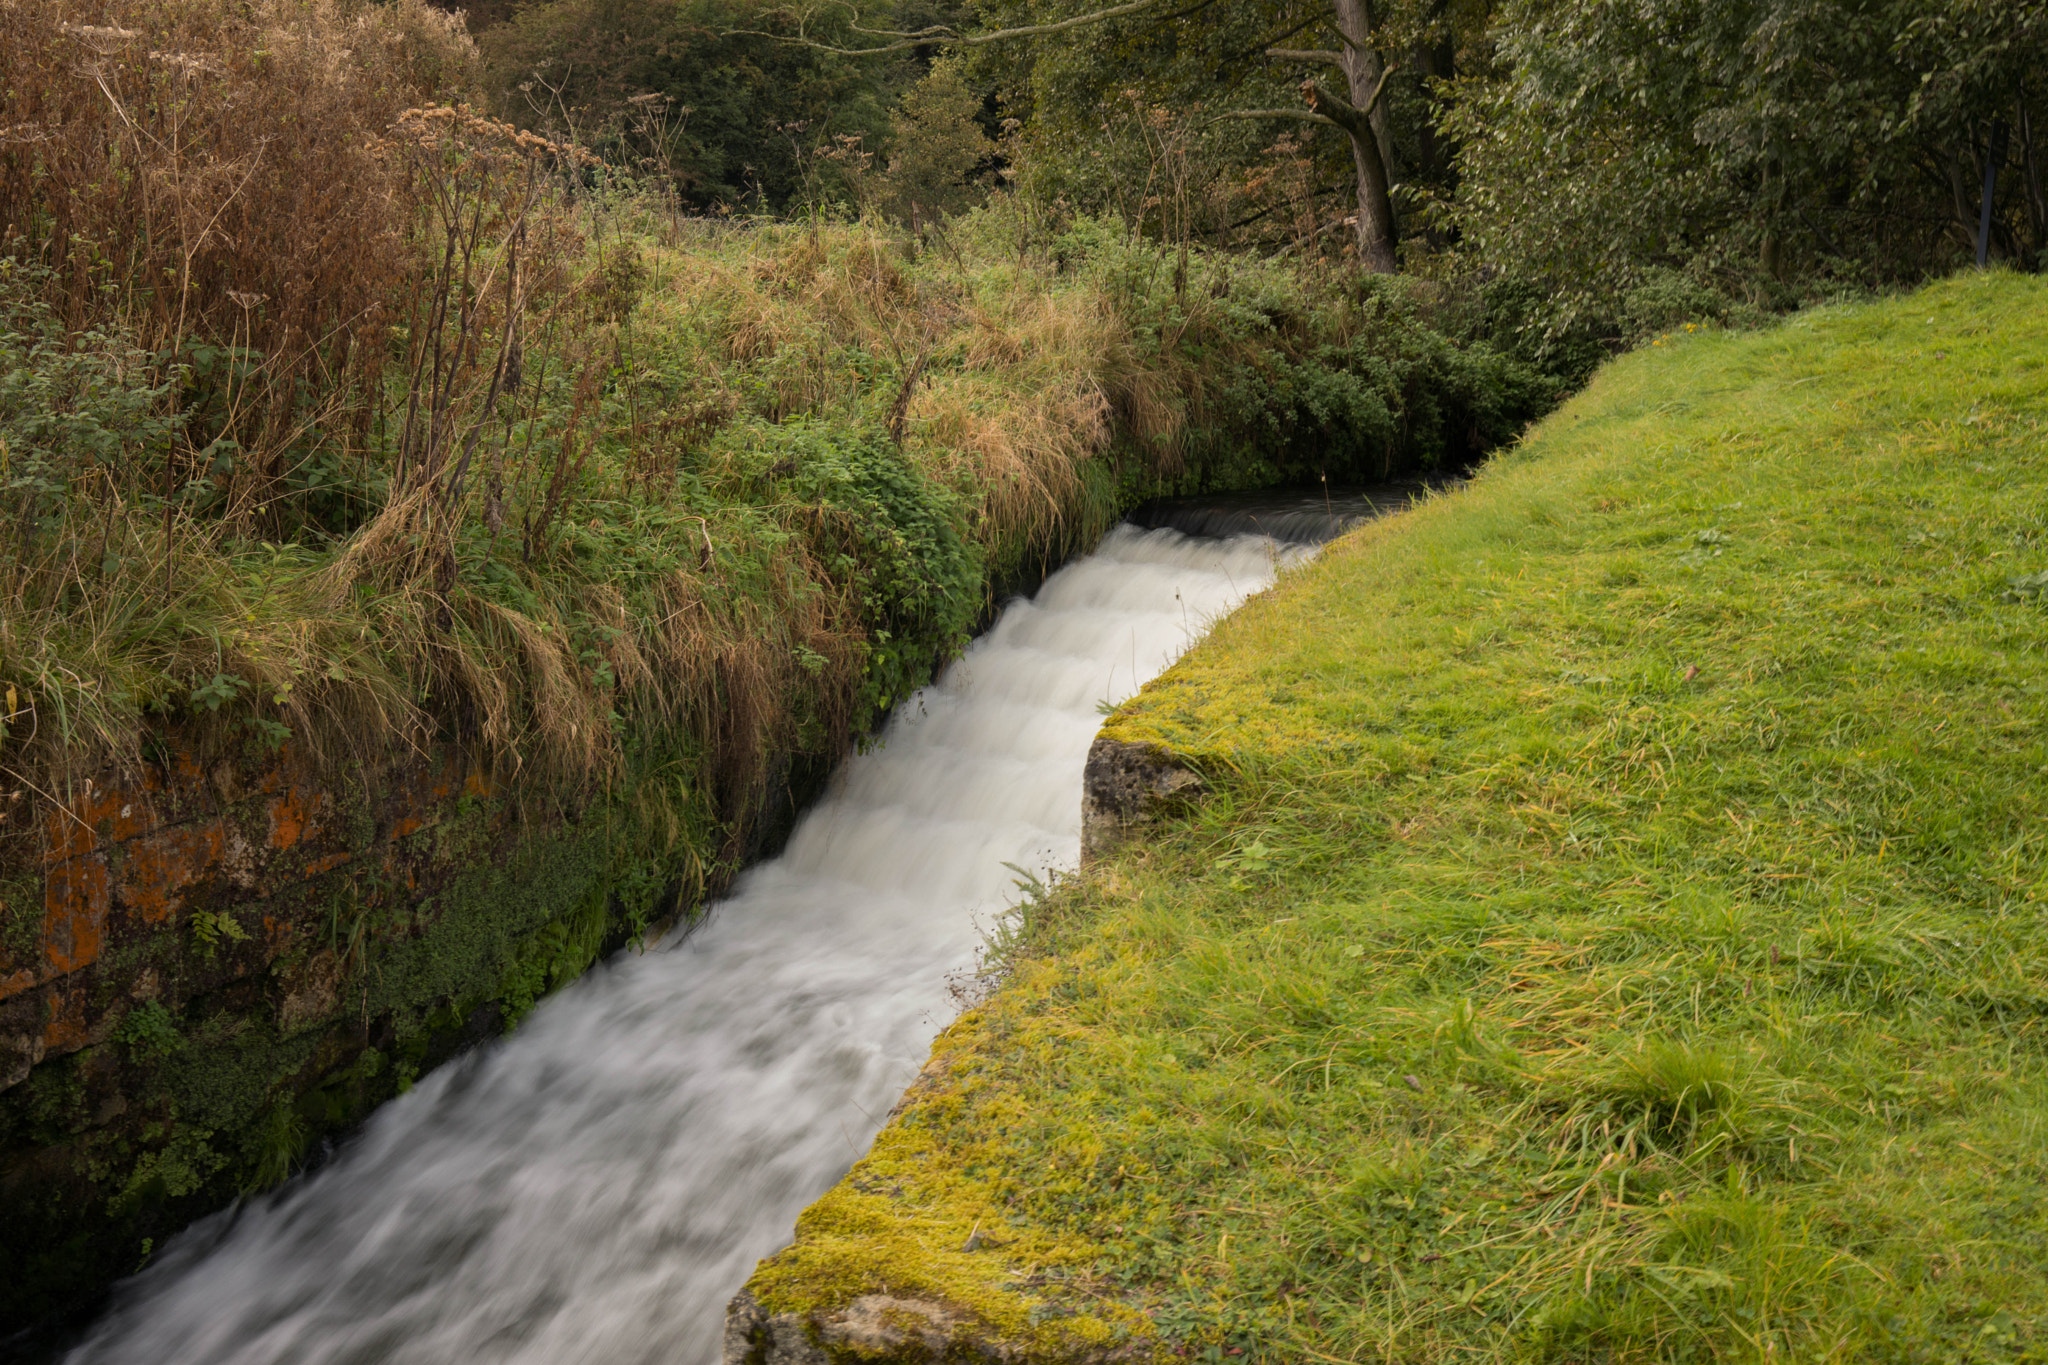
<point>902,1221</point>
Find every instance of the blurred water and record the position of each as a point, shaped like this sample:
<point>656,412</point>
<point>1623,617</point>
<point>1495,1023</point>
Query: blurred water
<point>595,1187</point>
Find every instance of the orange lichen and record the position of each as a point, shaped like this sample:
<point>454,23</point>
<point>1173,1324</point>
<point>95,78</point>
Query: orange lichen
<point>75,828</point>
<point>292,815</point>
<point>67,1030</point>
<point>75,900</point>
<point>162,865</point>
<point>325,864</point>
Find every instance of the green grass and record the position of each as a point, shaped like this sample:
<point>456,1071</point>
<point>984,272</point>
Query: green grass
<point>1615,931</point>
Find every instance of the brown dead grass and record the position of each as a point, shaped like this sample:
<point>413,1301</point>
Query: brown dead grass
<point>212,164</point>
<point>1017,387</point>
<point>246,176</point>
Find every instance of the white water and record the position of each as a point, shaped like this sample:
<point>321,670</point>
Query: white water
<point>595,1187</point>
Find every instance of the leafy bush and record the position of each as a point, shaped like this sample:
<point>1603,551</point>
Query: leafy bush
<point>72,405</point>
<point>936,146</point>
<point>891,533</point>
<point>1285,374</point>
<point>1397,396</point>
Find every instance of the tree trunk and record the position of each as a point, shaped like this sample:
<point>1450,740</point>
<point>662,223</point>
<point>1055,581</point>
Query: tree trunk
<point>1363,73</point>
<point>2037,208</point>
<point>1437,56</point>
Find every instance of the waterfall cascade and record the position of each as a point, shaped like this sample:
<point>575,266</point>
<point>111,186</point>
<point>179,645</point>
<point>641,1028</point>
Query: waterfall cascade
<point>596,1186</point>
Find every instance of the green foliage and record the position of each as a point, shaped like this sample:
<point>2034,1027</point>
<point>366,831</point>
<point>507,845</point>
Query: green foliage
<point>1131,110</point>
<point>275,1146</point>
<point>936,147</point>
<point>212,928</point>
<point>1399,395</point>
<point>1295,377</point>
<point>218,690</point>
<point>73,407</point>
<point>749,112</point>
<point>890,532</point>
<point>561,951</point>
<point>179,1168</point>
<point>1765,148</point>
<point>148,1032</point>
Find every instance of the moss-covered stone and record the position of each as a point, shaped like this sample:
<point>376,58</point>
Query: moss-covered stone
<point>919,1253</point>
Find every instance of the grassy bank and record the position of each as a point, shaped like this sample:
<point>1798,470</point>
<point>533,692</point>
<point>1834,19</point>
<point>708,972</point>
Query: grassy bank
<point>1613,930</point>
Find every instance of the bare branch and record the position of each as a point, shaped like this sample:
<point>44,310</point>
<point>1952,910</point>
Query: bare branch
<point>926,35</point>
<point>1344,112</point>
<point>1295,54</point>
<point>1078,21</point>
<point>941,33</point>
<point>1303,115</point>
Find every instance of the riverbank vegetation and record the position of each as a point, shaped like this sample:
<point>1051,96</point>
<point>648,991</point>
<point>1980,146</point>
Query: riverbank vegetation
<point>1611,929</point>
<point>340,412</point>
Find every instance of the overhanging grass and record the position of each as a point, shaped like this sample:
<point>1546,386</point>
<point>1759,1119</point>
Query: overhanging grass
<point>429,428</point>
<point>1615,931</point>
<point>679,436</point>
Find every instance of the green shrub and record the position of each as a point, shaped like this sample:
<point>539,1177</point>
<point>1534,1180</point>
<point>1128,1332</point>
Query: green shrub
<point>73,406</point>
<point>1396,396</point>
<point>148,1031</point>
<point>885,529</point>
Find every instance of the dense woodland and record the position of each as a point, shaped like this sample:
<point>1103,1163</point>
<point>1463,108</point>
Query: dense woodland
<point>1714,157</point>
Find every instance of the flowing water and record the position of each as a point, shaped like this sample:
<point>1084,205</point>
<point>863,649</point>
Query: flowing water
<point>595,1187</point>
<point>1308,515</point>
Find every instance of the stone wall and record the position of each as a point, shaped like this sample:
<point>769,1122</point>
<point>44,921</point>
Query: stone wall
<point>204,971</point>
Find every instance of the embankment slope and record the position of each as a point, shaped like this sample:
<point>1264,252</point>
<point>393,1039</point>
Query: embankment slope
<point>1611,927</point>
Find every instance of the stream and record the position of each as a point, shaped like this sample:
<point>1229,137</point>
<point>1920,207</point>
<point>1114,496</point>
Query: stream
<point>596,1186</point>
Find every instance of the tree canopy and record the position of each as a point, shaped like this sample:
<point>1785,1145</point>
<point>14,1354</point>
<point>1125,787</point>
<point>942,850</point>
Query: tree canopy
<point>1758,141</point>
<point>1758,150</point>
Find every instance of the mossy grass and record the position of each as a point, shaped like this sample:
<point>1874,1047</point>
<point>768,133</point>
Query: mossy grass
<point>1613,931</point>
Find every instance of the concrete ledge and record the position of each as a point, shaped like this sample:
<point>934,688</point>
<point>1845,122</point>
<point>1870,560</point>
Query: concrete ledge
<point>875,1327</point>
<point>1126,787</point>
